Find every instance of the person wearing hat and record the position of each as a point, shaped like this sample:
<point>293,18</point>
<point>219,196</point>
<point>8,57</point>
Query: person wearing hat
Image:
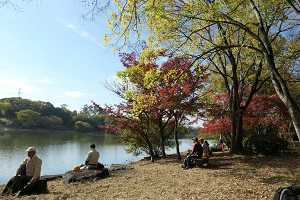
<point>195,153</point>
<point>27,174</point>
<point>91,160</point>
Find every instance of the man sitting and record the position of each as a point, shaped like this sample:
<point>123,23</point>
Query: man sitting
<point>91,161</point>
<point>27,174</point>
<point>196,153</point>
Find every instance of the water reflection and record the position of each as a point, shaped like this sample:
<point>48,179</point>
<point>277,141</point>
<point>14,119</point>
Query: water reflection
<point>60,151</point>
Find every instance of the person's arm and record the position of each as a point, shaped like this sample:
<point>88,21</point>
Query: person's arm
<point>87,159</point>
<point>193,151</point>
<point>20,167</point>
<point>37,171</point>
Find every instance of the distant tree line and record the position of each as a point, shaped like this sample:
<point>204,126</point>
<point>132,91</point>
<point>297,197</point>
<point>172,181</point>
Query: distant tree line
<point>24,113</point>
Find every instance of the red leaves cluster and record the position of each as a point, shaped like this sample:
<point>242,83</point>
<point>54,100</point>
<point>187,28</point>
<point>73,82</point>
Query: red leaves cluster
<point>264,111</point>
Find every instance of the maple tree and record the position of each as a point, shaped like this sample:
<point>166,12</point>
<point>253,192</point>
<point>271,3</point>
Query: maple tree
<point>161,95</point>
<point>265,114</point>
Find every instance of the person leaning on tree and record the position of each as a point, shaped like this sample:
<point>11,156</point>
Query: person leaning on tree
<point>195,153</point>
<point>27,174</point>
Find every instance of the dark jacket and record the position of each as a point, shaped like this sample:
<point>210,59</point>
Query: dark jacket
<point>197,150</point>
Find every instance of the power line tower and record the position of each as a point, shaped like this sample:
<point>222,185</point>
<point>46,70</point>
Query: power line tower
<point>19,93</point>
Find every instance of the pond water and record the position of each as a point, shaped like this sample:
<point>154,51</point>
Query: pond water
<point>61,151</point>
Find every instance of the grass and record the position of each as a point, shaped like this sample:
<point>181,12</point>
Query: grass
<point>227,177</point>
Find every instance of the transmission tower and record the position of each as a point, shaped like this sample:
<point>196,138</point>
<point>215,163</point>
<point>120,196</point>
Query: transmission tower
<point>19,93</point>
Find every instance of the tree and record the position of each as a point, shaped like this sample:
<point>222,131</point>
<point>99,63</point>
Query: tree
<point>4,108</point>
<point>130,126</point>
<point>295,5</point>
<point>51,121</point>
<point>45,108</point>
<point>266,30</point>
<point>170,90</point>
<point>83,126</point>
<point>28,118</point>
<point>93,120</point>
<point>265,114</point>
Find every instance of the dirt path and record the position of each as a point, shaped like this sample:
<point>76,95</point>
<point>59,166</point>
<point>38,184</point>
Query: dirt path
<point>227,177</point>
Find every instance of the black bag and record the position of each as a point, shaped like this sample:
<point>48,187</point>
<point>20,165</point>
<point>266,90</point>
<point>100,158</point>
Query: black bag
<point>288,193</point>
<point>100,166</point>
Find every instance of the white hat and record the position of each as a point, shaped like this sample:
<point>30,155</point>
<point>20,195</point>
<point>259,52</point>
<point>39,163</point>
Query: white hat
<point>30,149</point>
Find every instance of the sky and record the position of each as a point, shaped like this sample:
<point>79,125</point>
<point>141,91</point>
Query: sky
<point>48,53</point>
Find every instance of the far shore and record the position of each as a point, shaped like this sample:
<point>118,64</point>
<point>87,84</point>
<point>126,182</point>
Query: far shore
<point>9,129</point>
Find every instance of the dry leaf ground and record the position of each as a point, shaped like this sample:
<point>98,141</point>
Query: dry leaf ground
<point>227,177</point>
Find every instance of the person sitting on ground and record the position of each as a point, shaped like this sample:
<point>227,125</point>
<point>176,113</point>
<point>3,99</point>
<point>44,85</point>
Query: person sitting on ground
<point>204,147</point>
<point>195,153</point>
<point>27,174</point>
<point>91,161</point>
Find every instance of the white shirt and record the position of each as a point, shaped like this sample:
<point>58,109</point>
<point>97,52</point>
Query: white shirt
<point>33,166</point>
<point>92,157</point>
<point>205,147</point>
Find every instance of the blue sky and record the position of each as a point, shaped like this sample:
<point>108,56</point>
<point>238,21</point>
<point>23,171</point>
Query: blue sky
<point>51,54</point>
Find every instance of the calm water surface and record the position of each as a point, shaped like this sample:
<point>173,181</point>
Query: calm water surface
<point>61,151</point>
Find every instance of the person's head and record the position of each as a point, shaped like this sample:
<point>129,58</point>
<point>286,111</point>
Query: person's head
<point>195,139</point>
<point>93,146</point>
<point>31,152</point>
<point>201,141</point>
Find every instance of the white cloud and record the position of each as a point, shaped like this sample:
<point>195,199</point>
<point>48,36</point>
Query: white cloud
<point>71,26</point>
<point>81,32</point>
<point>12,85</point>
<point>76,94</point>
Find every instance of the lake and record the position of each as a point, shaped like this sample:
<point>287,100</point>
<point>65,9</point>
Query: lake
<point>61,151</point>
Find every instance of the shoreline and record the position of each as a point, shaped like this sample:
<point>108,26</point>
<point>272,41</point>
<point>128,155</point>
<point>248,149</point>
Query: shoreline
<point>11,130</point>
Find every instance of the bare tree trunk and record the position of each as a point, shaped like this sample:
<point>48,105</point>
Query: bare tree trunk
<point>277,80</point>
<point>233,134</point>
<point>162,143</point>
<point>239,135</point>
<point>152,156</point>
<point>287,99</point>
<point>178,156</point>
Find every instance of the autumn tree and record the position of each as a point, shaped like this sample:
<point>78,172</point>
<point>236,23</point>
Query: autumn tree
<point>268,29</point>
<point>265,114</point>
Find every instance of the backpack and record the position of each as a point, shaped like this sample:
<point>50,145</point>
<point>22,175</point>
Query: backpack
<point>288,193</point>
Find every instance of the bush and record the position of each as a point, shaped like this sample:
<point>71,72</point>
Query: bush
<point>28,118</point>
<point>265,144</point>
<point>83,126</point>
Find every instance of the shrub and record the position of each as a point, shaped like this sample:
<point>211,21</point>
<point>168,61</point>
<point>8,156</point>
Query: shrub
<point>265,144</point>
<point>83,126</point>
<point>28,118</point>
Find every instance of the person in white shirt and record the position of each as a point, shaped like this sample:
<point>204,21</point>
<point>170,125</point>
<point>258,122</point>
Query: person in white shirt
<point>204,146</point>
<point>91,160</point>
<point>28,173</point>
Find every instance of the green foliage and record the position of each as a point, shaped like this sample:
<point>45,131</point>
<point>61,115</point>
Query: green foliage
<point>28,118</point>
<point>136,145</point>
<point>83,126</point>
<point>4,108</point>
<point>51,121</point>
<point>93,120</point>
<point>265,144</point>
<point>214,137</point>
